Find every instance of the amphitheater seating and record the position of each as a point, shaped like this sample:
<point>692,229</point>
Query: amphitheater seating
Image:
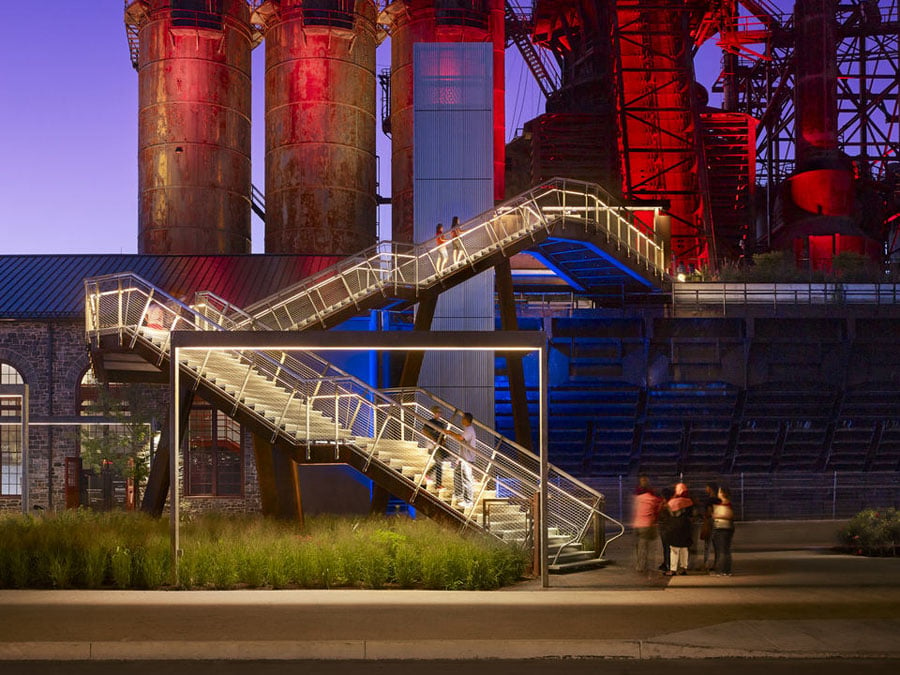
<point>605,428</point>
<point>887,457</point>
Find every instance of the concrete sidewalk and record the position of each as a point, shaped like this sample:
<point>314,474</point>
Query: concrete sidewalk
<point>791,604</point>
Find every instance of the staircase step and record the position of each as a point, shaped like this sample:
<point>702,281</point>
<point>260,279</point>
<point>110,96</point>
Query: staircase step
<point>575,565</point>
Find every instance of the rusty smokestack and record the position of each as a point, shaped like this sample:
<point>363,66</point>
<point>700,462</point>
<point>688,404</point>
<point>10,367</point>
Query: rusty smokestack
<point>415,21</point>
<point>193,63</point>
<point>320,125</point>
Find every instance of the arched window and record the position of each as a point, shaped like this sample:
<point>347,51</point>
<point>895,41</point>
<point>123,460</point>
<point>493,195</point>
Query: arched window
<point>214,457</point>
<point>10,435</point>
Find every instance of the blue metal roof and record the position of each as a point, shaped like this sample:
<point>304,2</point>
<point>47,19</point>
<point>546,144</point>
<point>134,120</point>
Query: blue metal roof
<point>51,286</point>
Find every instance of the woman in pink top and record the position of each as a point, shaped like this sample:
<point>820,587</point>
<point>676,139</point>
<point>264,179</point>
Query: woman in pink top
<point>646,512</point>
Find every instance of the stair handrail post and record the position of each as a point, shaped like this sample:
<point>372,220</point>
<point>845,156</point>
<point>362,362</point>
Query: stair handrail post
<point>337,434</point>
<point>308,423</point>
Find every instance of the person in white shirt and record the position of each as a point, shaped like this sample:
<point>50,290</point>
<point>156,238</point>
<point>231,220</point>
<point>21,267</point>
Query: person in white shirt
<point>462,477</point>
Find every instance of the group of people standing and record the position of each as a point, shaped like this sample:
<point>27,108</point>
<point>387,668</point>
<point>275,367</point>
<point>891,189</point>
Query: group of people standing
<point>670,518</point>
<point>444,242</point>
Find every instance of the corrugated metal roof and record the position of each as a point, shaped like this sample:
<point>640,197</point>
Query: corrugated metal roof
<point>51,286</point>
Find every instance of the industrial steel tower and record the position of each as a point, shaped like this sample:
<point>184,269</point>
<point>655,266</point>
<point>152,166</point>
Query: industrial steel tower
<point>193,63</point>
<point>320,125</point>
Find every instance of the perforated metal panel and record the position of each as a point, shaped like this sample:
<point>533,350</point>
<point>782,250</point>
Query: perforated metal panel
<point>453,122</point>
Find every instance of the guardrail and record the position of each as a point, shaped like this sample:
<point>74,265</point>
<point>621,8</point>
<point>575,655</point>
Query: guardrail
<point>696,295</point>
<point>789,495</point>
<point>573,502</point>
<point>282,390</point>
<point>389,267</point>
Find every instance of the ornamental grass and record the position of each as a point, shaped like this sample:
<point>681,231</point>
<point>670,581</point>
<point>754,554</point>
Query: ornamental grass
<point>86,549</point>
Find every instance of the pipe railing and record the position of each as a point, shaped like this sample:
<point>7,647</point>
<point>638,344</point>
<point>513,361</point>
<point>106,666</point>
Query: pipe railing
<point>690,295</point>
<point>572,502</point>
<point>282,390</point>
<point>575,501</point>
<point>389,267</point>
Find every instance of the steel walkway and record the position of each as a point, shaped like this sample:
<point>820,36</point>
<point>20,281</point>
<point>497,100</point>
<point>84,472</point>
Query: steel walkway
<point>536,220</point>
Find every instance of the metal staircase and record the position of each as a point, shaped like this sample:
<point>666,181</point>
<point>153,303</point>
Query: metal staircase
<point>391,272</point>
<point>518,28</point>
<point>321,414</point>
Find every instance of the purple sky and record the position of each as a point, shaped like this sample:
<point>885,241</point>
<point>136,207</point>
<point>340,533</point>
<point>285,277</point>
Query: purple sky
<point>68,129</point>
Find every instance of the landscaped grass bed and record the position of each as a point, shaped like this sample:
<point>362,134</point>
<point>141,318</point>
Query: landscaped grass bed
<point>83,549</point>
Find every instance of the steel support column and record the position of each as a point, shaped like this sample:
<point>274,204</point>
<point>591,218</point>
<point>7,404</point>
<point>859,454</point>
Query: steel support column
<point>515,370</point>
<point>155,493</point>
<point>412,363</point>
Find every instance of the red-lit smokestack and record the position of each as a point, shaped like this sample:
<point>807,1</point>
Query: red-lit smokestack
<point>815,92</point>
<point>193,63</point>
<point>320,125</point>
<point>817,213</point>
<point>413,21</point>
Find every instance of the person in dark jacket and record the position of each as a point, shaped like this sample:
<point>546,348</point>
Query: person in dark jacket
<point>681,535</point>
<point>665,529</point>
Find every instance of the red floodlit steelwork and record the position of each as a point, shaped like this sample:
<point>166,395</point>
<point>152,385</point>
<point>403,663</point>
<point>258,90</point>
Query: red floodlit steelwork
<point>193,125</point>
<point>820,198</point>
<point>815,90</point>
<point>320,125</point>
<point>660,134</point>
<point>422,21</point>
<point>575,138</point>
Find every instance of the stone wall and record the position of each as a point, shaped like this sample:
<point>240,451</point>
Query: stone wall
<point>52,357</point>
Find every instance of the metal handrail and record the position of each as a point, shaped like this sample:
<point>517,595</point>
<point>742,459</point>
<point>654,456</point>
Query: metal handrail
<point>695,294</point>
<point>561,485</point>
<point>347,410</point>
<point>392,266</point>
<point>511,448</point>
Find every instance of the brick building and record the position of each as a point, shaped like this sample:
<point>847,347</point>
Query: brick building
<point>43,347</point>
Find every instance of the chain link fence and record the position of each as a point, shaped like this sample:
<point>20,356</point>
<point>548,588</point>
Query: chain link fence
<point>771,496</point>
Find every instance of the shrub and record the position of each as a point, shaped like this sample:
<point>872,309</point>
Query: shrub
<point>873,532</point>
<point>854,268</point>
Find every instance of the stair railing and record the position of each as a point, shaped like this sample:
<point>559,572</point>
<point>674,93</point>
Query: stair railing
<point>390,267</point>
<point>355,413</point>
<point>574,502</point>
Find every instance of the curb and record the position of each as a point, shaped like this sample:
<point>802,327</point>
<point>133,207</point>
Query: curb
<point>394,650</point>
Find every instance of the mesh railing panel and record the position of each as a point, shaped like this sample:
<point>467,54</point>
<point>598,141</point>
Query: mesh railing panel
<point>390,266</point>
<point>798,495</point>
<point>302,398</point>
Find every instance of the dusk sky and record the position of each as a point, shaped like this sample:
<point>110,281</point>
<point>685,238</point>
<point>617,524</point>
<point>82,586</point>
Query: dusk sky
<point>68,119</point>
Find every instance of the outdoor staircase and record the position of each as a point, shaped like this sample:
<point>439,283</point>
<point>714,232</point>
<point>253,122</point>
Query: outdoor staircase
<point>391,273</point>
<point>319,413</point>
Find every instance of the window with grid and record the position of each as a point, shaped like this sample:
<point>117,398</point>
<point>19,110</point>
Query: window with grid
<point>92,401</point>
<point>214,454</point>
<point>10,436</point>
